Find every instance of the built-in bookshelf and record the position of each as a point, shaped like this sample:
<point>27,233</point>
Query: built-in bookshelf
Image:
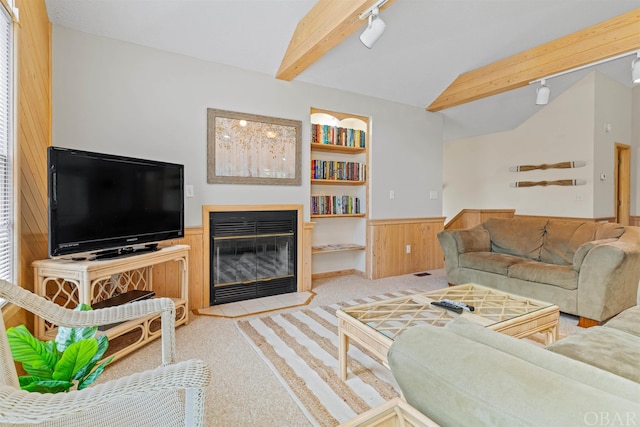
<point>339,190</point>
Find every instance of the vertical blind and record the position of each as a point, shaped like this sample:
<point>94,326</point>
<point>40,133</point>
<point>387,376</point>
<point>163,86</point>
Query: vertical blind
<point>7,240</point>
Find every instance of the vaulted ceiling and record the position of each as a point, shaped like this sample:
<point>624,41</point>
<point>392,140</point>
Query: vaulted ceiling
<point>427,45</point>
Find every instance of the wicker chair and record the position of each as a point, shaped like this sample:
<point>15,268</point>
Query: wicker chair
<point>170,395</point>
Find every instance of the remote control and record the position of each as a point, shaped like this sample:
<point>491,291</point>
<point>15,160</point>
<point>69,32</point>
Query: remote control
<point>448,306</point>
<point>460,304</point>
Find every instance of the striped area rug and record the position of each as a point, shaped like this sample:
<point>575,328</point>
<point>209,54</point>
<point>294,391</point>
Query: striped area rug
<point>301,348</point>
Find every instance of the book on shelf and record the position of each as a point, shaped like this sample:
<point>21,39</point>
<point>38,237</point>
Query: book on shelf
<point>335,135</point>
<point>334,205</point>
<point>338,170</point>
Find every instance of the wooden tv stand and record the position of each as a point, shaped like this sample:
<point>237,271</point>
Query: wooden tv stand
<point>69,283</point>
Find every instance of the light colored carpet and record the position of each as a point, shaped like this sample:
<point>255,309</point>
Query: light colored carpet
<point>244,390</point>
<point>301,348</point>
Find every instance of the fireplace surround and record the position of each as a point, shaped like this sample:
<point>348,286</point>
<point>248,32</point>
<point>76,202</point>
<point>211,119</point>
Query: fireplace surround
<point>252,254</point>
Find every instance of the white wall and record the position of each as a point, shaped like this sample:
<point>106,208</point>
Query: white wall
<point>571,127</point>
<point>635,150</point>
<point>117,97</point>
<point>612,125</point>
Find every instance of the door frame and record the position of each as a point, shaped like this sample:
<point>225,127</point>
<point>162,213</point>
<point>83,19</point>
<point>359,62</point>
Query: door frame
<point>622,183</point>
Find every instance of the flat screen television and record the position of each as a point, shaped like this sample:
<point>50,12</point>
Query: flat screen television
<point>107,205</point>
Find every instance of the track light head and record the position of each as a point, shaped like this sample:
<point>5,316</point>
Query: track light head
<point>542,93</point>
<point>374,29</point>
<point>635,69</point>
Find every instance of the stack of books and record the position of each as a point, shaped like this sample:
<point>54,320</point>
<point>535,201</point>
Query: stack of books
<point>336,170</point>
<point>334,135</point>
<point>334,205</point>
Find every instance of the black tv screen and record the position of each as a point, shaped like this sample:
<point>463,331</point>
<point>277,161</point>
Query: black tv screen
<point>100,202</point>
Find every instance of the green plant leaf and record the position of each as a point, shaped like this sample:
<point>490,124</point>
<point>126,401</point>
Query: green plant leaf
<point>26,380</point>
<point>53,365</point>
<point>45,386</point>
<point>86,382</point>
<point>38,358</point>
<point>67,336</point>
<point>103,345</point>
<point>74,358</point>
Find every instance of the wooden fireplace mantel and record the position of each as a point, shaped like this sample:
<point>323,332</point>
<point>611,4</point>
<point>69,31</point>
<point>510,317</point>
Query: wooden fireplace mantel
<point>304,275</point>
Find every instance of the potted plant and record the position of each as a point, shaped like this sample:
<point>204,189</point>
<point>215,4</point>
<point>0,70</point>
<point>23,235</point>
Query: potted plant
<point>57,365</point>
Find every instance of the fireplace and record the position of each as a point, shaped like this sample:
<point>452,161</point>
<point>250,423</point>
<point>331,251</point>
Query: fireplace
<point>253,254</point>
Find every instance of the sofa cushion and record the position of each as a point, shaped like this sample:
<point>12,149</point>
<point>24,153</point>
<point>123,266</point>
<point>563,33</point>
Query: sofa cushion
<point>500,381</point>
<point>488,261</point>
<point>627,321</point>
<point>609,230</point>
<point>523,349</point>
<point>516,236</point>
<point>562,276</point>
<point>563,238</point>
<point>610,349</point>
<point>472,240</point>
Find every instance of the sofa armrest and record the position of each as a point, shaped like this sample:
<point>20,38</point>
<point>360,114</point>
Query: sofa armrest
<point>584,249</point>
<point>608,279</point>
<point>456,242</point>
<point>472,240</point>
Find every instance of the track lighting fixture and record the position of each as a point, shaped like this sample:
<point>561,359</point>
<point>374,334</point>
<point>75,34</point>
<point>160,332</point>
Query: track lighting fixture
<point>376,25</point>
<point>635,69</point>
<point>543,91</point>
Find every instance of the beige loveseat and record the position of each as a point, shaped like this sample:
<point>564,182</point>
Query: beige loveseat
<point>466,375</point>
<point>588,269</point>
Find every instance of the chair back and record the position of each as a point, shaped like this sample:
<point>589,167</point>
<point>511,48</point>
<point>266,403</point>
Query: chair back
<point>8,373</point>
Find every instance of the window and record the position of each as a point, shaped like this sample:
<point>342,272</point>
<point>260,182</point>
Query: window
<point>7,205</point>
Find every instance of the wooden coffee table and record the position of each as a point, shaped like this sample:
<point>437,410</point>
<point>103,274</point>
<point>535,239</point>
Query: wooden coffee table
<point>375,325</point>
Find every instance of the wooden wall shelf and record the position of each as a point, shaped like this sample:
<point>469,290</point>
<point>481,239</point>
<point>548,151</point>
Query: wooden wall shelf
<point>345,155</point>
<point>336,182</point>
<point>326,249</point>
<point>360,215</point>
<point>315,146</point>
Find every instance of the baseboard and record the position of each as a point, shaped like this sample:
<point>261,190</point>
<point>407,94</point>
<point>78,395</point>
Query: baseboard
<point>330,274</point>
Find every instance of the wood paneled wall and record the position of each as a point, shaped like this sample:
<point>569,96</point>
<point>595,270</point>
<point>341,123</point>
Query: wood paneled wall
<point>387,242</point>
<point>568,218</point>
<point>166,277</point>
<point>635,221</point>
<point>33,136</point>
<point>468,218</point>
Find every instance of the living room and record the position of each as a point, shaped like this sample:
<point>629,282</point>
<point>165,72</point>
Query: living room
<point>113,96</point>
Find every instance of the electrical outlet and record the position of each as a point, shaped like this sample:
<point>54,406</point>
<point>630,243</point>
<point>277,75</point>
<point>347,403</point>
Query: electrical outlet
<point>433,195</point>
<point>408,249</point>
<point>392,194</point>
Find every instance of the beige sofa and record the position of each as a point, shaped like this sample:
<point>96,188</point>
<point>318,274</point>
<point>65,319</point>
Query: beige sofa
<point>588,269</point>
<point>463,374</point>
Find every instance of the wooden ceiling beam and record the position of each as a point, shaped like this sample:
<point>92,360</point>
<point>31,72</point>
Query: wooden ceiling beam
<point>607,39</point>
<point>326,25</point>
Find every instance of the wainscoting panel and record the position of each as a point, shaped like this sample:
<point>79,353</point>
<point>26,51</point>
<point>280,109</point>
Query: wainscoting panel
<point>468,218</point>
<point>166,276</point>
<point>402,246</point>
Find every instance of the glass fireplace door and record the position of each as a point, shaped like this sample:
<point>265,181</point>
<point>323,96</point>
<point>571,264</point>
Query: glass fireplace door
<point>253,254</point>
<point>274,257</point>
<point>235,260</point>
